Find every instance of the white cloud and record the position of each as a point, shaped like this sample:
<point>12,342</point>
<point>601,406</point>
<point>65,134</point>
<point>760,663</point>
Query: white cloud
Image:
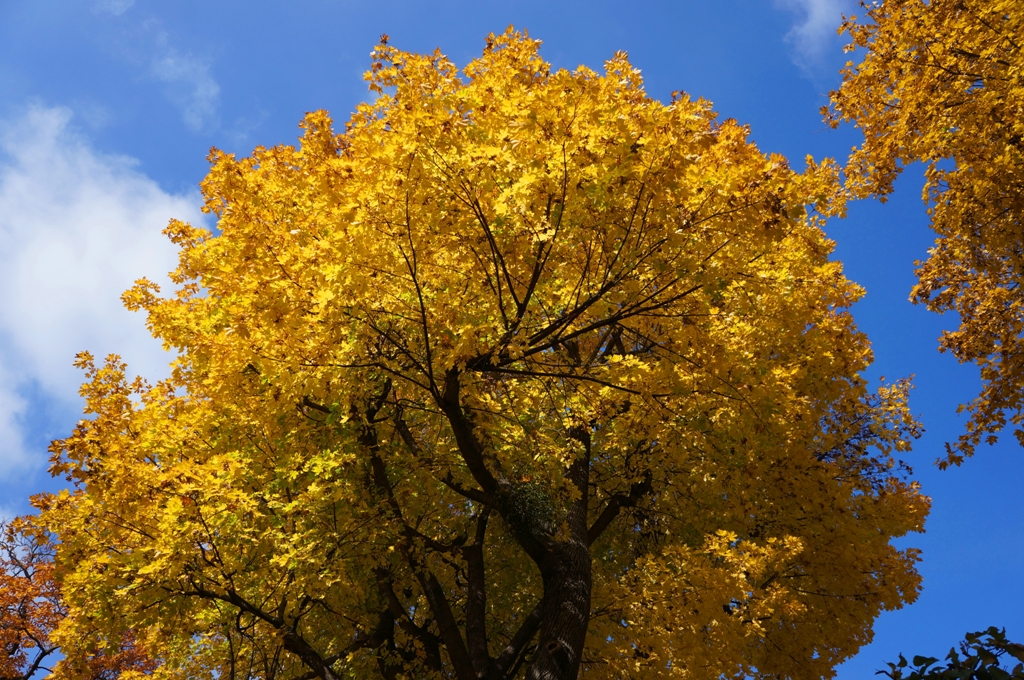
<point>115,7</point>
<point>816,30</point>
<point>191,87</point>
<point>76,229</point>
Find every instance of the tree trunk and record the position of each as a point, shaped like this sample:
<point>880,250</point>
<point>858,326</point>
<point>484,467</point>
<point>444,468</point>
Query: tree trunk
<point>566,612</point>
<point>566,573</point>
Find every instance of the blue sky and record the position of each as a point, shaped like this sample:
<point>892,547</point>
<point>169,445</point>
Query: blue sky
<point>109,107</point>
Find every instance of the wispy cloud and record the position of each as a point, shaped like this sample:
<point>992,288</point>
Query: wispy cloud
<point>184,75</point>
<point>7,513</point>
<point>76,229</point>
<point>190,86</point>
<point>115,7</point>
<point>13,455</point>
<point>815,31</point>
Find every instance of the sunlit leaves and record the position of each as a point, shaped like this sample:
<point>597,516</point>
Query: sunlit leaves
<point>942,82</point>
<point>508,320</point>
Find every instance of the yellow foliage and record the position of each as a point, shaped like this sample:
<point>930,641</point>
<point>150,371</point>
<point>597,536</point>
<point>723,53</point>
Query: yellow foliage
<point>522,369</point>
<point>942,82</point>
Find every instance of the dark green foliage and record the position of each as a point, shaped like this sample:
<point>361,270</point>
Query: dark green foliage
<point>978,659</point>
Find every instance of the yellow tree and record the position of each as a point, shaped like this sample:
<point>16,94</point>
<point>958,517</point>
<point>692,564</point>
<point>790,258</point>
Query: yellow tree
<point>522,373</point>
<point>942,82</point>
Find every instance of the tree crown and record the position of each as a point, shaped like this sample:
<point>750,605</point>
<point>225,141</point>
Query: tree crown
<point>524,369</point>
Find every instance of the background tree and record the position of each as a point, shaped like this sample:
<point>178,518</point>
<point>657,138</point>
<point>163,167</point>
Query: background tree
<point>978,659</point>
<point>942,82</point>
<point>31,607</point>
<point>523,372</point>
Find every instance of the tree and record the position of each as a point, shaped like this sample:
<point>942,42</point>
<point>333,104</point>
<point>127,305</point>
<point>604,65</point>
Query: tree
<point>940,82</point>
<point>30,603</point>
<point>524,372</point>
<point>978,659</point>
<point>31,607</point>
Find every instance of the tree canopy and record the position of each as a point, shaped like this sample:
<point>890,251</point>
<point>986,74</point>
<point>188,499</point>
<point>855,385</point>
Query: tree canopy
<point>942,82</point>
<point>522,372</point>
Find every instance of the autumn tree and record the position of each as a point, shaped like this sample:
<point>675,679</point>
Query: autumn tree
<point>522,373</point>
<point>942,82</point>
<point>31,607</point>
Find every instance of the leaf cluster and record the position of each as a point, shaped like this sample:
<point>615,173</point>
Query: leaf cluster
<point>941,82</point>
<point>978,659</point>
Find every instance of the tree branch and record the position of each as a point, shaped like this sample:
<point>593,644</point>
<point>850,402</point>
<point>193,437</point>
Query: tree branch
<point>615,505</point>
<point>517,644</point>
<point>450,634</point>
<point>462,428</point>
<point>476,598</point>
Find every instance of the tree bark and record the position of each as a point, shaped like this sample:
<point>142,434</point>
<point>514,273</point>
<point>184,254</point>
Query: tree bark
<point>566,574</point>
